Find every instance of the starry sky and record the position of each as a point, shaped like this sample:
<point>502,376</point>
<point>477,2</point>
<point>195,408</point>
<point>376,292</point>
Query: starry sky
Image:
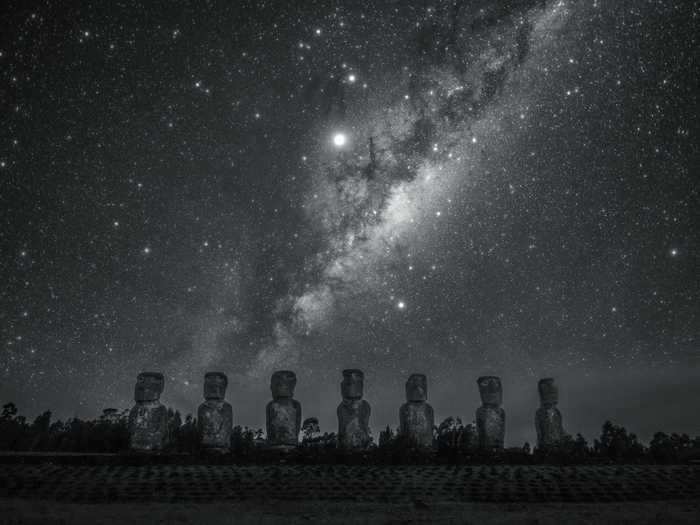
<point>448,187</point>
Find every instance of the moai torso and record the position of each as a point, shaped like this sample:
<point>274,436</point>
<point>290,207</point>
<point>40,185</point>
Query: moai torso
<point>148,420</point>
<point>353,412</point>
<point>416,418</point>
<point>490,417</point>
<point>548,422</point>
<point>283,412</point>
<point>215,416</point>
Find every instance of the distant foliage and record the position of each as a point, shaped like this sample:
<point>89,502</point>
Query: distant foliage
<point>386,437</point>
<point>617,444</point>
<point>453,437</point>
<point>182,437</point>
<point>109,433</point>
<point>311,436</point>
<point>244,440</point>
<point>568,450</point>
<point>667,449</point>
<point>310,429</point>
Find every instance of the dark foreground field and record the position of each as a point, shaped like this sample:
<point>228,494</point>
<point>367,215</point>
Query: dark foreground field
<point>27,512</point>
<point>172,493</point>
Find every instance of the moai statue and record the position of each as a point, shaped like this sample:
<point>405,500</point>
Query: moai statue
<point>416,418</point>
<point>148,420</point>
<point>548,418</point>
<point>215,416</point>
<point>283,412</point>
<point>353,412</point>
<point>490,417</point>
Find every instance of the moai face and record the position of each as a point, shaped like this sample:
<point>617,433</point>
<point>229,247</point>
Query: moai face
<point>149,387</point>
<point>417,388</point>
<point>490,390</point>
<point>282,384</point>
<point>549,392</point>
<point>215,384</point>
<point>352,384</point>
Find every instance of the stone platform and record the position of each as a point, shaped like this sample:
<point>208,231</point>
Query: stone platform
<point>430,485</point>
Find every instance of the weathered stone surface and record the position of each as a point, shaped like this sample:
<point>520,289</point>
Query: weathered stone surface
<point>353,383</point>
<point>148,420</point>
<point>548,421</point>
<point>490,417</point>
<point>417,388</point>
<point>215,416</point>
<point>416,417</point>
<point>283,412</point>
<point>353,412</point>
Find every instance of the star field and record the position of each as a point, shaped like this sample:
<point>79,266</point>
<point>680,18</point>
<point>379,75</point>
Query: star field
<point>455,188</point>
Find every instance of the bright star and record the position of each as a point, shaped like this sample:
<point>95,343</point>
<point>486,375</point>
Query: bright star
<point>339,140</point>
<point>352,78</point>
<point>401,305</point>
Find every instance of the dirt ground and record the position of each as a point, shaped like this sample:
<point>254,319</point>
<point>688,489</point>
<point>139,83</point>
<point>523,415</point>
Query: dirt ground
<point>31,512</point>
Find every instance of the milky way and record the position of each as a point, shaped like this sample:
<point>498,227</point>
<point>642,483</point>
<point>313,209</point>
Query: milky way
<point>454,188</point>
<point>377,206</point>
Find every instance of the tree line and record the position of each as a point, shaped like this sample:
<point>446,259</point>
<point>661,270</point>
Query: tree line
<point>453,441</point>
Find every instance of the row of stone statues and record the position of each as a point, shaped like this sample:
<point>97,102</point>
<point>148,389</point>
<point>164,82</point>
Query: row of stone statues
<point>148,419</point>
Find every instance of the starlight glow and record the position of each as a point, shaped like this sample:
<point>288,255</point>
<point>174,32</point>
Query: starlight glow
<point>339,140</point>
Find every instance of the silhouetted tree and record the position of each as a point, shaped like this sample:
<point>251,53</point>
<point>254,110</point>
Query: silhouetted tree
<point>386,437</point>
<point>566,450</point>
<point>242,440</point>
<point>13,428</point>
<point>470,438</point>
<point>676,447</point>
<point>9,412</point>
<point>579,447</point>
<point>449,434</point>
<point>617,444</point>
<point>310,429</point>
<point>174,424</point>
<point>189,437</point>
<point>328,440</point>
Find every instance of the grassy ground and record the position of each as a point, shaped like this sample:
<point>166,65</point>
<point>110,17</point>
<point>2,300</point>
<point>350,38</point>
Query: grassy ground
<point>50,493</point>
<point>368,484</point>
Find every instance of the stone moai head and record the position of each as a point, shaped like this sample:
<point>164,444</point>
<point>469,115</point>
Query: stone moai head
<point>549,392</point>
<point>149,386</point>
<point>417,388</point>
<point>215,384</point>
<point>282,384</point>
<point>490,390</point>
<point>352,384</point>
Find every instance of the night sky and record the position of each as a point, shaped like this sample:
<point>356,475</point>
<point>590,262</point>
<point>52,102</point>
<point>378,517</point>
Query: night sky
<point>455,188</point>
